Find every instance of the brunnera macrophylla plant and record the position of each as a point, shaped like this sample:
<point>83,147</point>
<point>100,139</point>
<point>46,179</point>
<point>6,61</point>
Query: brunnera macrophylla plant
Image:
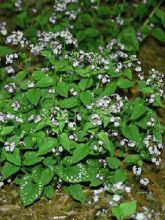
<point>71,118</point>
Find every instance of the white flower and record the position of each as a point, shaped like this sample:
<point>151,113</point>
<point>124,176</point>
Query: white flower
<point>51,90</point>
<point>9,146</point>
<point>116,124</point>
<point>95,148</point>
<point>53,150</point>
<point>127,189</point>
<point>10,116</point>
<point>71,124</point>
<point>140,216</point>
<point>16,106</point>
<point>78,117</point>
<point>60,149</point>
<point>73,92</point>
<point>19,119</point>
<point>144,181</point>
<point>112,119</point>
<point>138,68</point>
<point>137,170</point>
<point>53,19</point>
<point>37,119</point>
<point>71,137</point>
<point>116,198</point>
<point>100,142</point>
<point>96,120</point>
<point>75,63</point>
<point>9,69</point>
<point>122,142</point>
<point>118,186</point>
<point>149,123</point>
<point>30,84</point>
<point>96,198</point>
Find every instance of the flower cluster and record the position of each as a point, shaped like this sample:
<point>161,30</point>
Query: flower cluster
<point>17,38</point>
<point>53,40</point>
<point>3,29</point>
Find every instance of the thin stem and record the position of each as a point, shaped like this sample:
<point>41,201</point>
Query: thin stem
<point>151,14</point>
<point>98,4</point>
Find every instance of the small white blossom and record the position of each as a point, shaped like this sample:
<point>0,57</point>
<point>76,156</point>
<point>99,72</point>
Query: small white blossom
<point>137,170</point>
<point>144,181</point>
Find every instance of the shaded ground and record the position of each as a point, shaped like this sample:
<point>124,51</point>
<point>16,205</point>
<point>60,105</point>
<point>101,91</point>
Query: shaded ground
<point>63,207</point>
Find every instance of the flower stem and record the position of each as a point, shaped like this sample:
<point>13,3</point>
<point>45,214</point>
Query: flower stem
<point>151,14</point>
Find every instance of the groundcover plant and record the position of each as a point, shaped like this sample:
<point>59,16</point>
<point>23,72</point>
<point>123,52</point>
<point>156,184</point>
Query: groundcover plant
<point>74,118</point>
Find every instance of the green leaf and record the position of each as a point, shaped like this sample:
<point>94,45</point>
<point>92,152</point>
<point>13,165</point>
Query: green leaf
<point>85,84</point>
<point>128,208</point>
<point>137,111</point>
<point>157,101</point>
<point>83,72</point>
<point>8,170</point>
<point>132,133</point>
<point>49,191</point>
<point>45,81</point>
<point>117,212</point>
<point>69,103</point>
<point>76,192</point>
<point>120,176</point>
<point>109,89</point>
<point>46,176</point>
<point>113,162</point>
<point>161,14</point>
<point>4,51</point>
<point>33,96</point>
<point>40,125</point>
<point>104,11</point>
<point>47,146</point>
<point>31,158</point>
<point>124,210</point>
<point>159,34</point>
<point>30,191</point>
<point>20,76</point>
<point>73,174</point>
<point>86,97</point>
<point>107,143</point>
<point>124,83</point>
<point>13,157</point>
<point>129,39</point>
<point>80,153</point>
<point>128,73</point>
<point>21,19</point>
<point>91,32</point>
<point>6,130</point>
<point>37,75</point>
<point>65,141</point>
<point>147,90</point>
<point>62,89</point>
<point>132,159</point>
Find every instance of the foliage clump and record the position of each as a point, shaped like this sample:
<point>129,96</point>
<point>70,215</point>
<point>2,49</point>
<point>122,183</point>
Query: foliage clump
<point>75,118</point>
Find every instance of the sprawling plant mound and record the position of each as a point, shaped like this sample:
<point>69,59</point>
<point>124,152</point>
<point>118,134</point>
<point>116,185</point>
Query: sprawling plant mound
<point>71,118</point>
